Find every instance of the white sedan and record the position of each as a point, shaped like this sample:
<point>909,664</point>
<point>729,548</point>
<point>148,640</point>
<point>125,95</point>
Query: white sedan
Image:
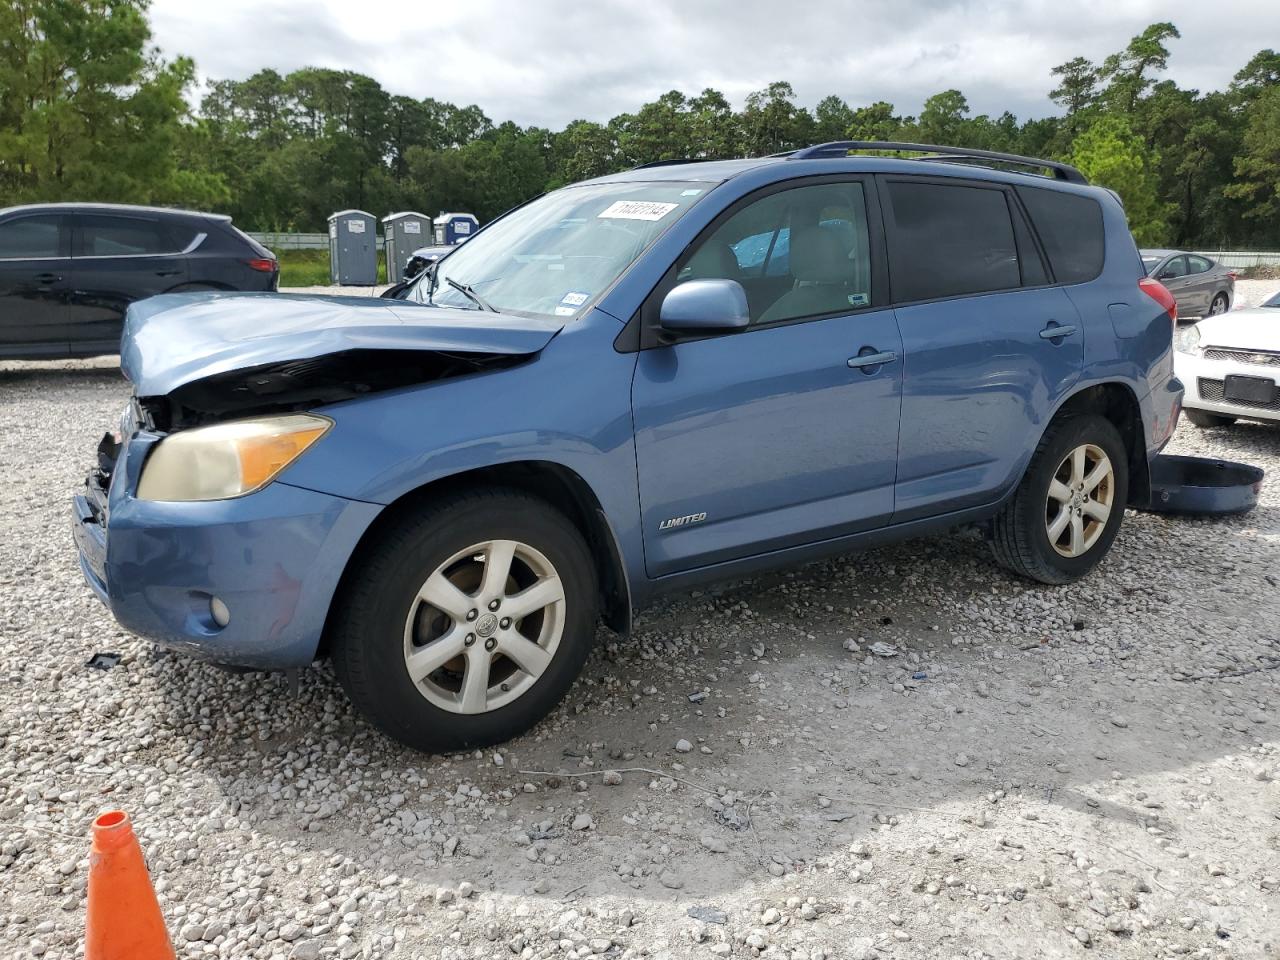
<point>1230,366</point>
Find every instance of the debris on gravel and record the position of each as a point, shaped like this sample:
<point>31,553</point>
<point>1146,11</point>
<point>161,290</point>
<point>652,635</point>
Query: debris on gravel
<point>1053,770</point>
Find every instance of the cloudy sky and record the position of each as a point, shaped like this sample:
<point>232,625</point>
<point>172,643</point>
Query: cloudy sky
<point>547,62</point>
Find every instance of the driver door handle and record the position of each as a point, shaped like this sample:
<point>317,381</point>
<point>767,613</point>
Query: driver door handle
<point>1056,332</point>
<point>47,278</point>
<point>872,359</point>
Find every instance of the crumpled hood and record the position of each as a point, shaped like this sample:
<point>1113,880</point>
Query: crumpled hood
<point>175,339</point>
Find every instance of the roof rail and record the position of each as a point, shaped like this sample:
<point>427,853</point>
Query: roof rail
<point>669,163</point>
<point>841,148</point>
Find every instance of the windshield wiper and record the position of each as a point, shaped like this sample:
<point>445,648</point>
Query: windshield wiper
<point>465,290</point>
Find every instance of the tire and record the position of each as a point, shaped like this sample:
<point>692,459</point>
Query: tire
<point>1205,420</point>
<point>1219,305</point>
<point>383,619</point>
<point>1021,538</point>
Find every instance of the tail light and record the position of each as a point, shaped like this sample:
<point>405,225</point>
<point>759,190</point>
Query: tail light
<point>1158,292</point>
<point>1234,275</point>
<point>264,264</point>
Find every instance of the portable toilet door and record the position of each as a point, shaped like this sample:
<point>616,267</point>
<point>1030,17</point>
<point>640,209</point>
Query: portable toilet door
<point>402,234</point>
<point>453,228</point>
<point>353,248</point>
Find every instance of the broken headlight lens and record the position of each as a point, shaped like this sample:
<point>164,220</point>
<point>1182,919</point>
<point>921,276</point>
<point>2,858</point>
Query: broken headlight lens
<point>228,459</point>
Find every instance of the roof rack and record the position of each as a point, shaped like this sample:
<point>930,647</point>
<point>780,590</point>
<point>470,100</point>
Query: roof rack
<point>669,163</point>
<point>841,148</point>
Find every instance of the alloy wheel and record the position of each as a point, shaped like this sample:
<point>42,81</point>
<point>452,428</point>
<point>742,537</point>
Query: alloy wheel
<point>484,626</point>
<point>1081,498</point>
<point>1218,307</point>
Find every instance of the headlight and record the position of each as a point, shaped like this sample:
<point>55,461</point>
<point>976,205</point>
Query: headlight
<point>228,459</point>
<point>1187,339</point>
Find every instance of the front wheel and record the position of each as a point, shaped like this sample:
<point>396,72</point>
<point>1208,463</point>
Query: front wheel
<point>467,622</point>
<point>1067,510</point>
<point>1219,305</point>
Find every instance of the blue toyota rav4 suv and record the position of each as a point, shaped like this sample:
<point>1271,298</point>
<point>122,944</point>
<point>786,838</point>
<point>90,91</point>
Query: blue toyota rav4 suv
<point>679,373</point>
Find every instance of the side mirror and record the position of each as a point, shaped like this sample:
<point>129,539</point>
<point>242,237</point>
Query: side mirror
<point>705,306</point>
<point>1166,275</point>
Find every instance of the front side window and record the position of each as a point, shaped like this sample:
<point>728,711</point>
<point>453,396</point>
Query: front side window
<point>104,236</point>
<point>1175,269</point>
<point>950,240</point>
<point>554,255</point>
<point>30,238</point>
<point>801,252</point>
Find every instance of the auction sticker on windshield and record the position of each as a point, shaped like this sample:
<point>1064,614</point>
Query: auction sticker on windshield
<point>636,210</point>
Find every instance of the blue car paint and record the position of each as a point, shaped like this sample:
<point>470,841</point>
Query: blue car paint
<point>668,432</point>
<point>172,340</point>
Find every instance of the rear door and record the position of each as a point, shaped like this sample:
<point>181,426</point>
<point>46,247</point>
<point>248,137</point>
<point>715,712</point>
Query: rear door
<point>1174,275</point>
<point>1201,280</point>
<point>35,283</point>
<point>119,258</point>
<point>990,345</point>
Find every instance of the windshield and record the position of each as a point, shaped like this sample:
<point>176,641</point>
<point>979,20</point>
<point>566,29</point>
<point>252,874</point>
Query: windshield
<point>555,255</point>
<point>1273,302</point>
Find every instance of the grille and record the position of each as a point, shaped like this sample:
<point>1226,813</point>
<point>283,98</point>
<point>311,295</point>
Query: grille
<point>1264,357</point>
<point>1212,390</point>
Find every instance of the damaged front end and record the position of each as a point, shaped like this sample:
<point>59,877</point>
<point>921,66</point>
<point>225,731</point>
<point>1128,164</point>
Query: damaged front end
<point>197,360</point>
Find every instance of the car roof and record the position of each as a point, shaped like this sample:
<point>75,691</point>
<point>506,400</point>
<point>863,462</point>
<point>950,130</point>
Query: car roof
<point>1152,252</point>
<point>70,207</point>
<point>719,171</point>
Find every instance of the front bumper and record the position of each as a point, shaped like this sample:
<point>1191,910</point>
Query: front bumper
<point>273,557</point>
<point>1204,378</point>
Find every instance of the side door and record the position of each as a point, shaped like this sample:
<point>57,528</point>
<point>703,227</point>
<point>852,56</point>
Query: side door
<point>784,433</point>
<point>1173,273</point>
<point>990,344</point>
<point>1200,284</point>
<point>35,284</point>
<point>118,259</point>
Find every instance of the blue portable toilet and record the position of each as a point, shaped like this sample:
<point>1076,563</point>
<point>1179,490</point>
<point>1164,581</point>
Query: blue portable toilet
<point>451,228</point>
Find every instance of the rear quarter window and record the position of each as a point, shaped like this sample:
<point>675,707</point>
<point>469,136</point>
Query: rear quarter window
<point>1070,228</point>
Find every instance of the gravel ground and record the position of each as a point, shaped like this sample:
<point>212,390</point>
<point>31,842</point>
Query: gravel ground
<point>1034,772</point>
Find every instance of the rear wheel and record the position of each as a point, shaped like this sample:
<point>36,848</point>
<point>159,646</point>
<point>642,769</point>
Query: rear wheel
<point>1068,508</point>
<point>1205,420</point>
<point>1219,305</point>
<point>467,623</point>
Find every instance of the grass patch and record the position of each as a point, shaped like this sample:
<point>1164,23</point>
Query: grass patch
<point>310,268</point>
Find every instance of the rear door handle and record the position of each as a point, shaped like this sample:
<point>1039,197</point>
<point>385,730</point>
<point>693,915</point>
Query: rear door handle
<point>1056,332</point>
<point>47,278</point>
<point>168,273</point>
<point>863,360</point>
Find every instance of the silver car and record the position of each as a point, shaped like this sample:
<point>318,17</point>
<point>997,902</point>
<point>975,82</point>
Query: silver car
<point>1202,287</point>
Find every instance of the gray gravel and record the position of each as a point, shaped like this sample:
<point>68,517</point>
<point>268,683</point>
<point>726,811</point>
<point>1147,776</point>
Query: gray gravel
<point>1032,772</point>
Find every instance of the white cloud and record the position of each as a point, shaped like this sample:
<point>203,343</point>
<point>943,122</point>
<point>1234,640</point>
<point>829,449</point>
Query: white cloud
<point>549,61</point>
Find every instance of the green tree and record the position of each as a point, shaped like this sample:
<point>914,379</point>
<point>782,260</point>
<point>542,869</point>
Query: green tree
<point>875,122</point>
<point>832,118</point>
<point>1077,89</point>
<point>87,110</point>
<point>771,121</point>
<point>1128,73</point>
<point>1110,154</point>
<point>942,120</point>
<point>1257,166</point>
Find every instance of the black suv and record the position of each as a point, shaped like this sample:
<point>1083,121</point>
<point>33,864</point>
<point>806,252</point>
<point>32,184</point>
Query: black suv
<point>68,271</point>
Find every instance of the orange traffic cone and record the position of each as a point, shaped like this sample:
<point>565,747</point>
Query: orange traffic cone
<point>124,921</point>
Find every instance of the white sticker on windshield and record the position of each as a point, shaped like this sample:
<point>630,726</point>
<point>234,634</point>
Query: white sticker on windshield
<point>689,193</point>
<point>636,210</point>
<point>565,311</point>
<point>575,298</point>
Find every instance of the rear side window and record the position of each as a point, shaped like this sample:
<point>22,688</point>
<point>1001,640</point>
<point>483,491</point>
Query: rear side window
<point>950,240</point>
<point>1198,264</point>
<point>31,237</point>
<point>1070,227</point>
<point>102,236</point>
